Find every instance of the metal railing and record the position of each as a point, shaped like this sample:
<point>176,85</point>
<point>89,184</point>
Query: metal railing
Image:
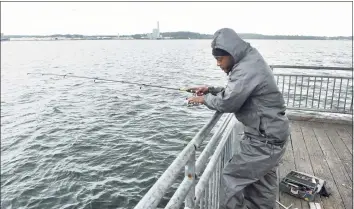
<point>322,93</point>
<point>185,158</point>
<point>201,184</point>
<point>205,191</point>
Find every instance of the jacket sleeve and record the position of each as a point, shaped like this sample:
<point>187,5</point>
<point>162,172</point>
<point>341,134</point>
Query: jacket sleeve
<point>237,91</point>
<point>215,90</point>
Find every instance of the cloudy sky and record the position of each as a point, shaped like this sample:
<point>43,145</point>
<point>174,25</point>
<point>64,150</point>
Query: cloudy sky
<point>111,18</point>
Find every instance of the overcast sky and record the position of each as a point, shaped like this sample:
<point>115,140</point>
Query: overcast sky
<point>111,18</point>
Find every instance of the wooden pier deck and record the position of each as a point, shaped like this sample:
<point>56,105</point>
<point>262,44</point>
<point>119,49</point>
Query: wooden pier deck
<point>325,151</point>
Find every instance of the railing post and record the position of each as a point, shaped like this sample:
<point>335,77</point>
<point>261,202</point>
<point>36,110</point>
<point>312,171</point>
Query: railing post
<point>190,175</point>
<point>235,135</point>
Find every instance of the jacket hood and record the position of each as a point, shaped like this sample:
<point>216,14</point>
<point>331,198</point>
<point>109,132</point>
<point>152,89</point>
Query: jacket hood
<point>228,40</point>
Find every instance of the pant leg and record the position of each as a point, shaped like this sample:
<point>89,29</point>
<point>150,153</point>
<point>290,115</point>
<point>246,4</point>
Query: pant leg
<point>251,164</point>
<point>262,193</point>
<point>231,194</point>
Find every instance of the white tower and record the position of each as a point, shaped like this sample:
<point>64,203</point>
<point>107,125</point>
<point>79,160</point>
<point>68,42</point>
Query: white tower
<point>158,30</point>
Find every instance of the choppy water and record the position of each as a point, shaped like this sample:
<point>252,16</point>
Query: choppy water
<point>72,143</point>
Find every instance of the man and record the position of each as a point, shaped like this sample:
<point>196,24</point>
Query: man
<point>250,178</point>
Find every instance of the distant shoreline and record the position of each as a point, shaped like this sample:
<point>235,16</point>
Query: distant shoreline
<point>181,35</point>
<point>14,40</point>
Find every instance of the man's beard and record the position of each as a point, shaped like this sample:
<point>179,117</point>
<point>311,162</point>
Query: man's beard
<point>230,66</point>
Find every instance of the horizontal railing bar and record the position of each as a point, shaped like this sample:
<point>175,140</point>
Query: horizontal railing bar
<point>312,75</point>
<point>180,195</point>
<point>320,110</point>
<point>312,67</point>
<point>205,130</point>
<point>201,161</point>
<point>152,198</point>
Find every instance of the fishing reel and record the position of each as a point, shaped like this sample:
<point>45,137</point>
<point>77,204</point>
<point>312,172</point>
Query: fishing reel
<point>191,104</point>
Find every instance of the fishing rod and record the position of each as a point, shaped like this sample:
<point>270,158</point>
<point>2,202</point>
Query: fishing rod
<point>118,81</point>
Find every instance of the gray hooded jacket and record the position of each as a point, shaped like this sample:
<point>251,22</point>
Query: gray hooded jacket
<point>251,92</point>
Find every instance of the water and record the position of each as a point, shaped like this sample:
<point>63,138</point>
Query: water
<point>73,143</point>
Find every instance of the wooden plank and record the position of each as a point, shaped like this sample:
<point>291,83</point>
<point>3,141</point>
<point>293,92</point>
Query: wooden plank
<point>320,166</point>
<point>338,136</point>
<point>349,129</point>
<point>318,205</point>
<point>312,205</point>
<point>344,136</point>
<point>347,138</point>
<point>336,167</point>
<point>301,156</point>
<point>315,205</point>
<point>287,164</point>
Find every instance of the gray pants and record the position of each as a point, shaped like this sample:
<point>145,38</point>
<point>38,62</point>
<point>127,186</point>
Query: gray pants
<point>250,177</point>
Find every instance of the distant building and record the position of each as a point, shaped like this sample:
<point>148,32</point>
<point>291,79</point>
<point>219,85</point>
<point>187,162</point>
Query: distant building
<point>4,38</point>
<point>155,32</point>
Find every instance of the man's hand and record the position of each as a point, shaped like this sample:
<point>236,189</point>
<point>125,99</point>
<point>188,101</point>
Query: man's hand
<point>198,100</point>
<point>200,90</point>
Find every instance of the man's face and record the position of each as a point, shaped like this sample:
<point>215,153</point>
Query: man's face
<point>224,62</point>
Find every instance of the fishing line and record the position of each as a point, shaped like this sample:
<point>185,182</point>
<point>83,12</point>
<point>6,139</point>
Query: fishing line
<point>111,80</point>
<point>120,81</point>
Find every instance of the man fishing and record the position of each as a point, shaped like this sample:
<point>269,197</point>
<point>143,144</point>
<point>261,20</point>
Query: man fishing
<point>249,179</point>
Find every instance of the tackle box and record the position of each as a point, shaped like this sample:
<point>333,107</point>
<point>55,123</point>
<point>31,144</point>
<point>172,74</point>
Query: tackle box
<point>303,186</point>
